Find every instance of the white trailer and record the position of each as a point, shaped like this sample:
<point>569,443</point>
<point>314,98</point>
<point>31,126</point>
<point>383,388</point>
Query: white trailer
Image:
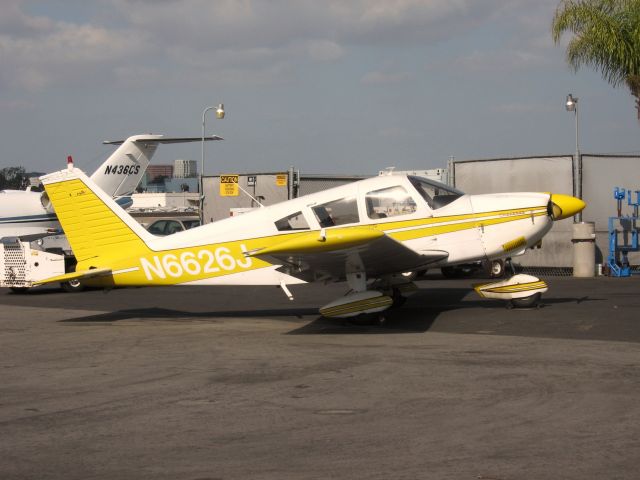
<point>23,263</point>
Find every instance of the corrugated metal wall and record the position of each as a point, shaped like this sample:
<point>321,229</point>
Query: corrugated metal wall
<point>266,189</point>
<point>555,174</point>
<point>317,183</point>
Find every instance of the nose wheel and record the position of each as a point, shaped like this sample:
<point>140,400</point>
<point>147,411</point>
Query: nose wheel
<point>532,301</point>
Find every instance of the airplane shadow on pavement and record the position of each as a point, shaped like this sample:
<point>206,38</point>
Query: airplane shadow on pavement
<point>417,315</point>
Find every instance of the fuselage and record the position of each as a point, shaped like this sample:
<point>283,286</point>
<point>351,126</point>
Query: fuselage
<point>469,227</point>
<point>22,214</point>
<point>424,216</point>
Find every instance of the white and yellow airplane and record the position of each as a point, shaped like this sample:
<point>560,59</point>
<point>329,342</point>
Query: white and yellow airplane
<point>366,233</point>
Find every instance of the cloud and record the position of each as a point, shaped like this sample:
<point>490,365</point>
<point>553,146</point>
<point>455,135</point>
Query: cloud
<point>36,52</point>
<point>502,60</point>
<point>520,108</point>
<point>384,78</point>
<point>231,40</point>
<point>325,50</point>
<point>17,105</point>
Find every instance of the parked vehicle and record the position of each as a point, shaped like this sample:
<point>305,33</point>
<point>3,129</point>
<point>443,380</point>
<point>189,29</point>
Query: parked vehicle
<point>167,226</point>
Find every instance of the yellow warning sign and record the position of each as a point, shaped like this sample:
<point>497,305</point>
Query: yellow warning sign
<point>229,185</point>
<point>281,180</point>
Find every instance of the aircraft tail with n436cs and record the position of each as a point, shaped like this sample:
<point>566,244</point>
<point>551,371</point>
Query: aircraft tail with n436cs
<point>27,214</point>
<point>366,233</point>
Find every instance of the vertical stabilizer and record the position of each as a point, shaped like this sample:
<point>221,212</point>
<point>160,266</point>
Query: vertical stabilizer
<point>96,227</point>
<point>121,173</point>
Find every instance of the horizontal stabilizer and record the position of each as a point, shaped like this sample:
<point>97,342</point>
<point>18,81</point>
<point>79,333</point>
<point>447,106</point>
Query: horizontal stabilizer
<point>96,272</point>
<point>155,139</point>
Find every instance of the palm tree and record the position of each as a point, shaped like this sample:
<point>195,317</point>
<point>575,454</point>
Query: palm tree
<point>606,36</point>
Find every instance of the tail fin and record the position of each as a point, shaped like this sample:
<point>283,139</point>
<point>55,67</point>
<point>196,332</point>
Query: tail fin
<point>96,227</point>
<point>121,173</point>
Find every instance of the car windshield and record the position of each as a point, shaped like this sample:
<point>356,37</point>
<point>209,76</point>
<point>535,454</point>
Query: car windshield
<point>190,224</point>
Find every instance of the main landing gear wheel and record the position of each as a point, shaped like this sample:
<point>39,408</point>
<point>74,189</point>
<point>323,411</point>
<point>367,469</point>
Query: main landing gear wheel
<point>398,299</point>
<point>367,319</point>
<point>457,271</point>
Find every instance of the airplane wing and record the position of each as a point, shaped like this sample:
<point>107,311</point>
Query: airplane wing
<point>332,253</point>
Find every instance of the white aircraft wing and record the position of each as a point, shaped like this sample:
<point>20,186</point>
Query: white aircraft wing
<point>335,252</point>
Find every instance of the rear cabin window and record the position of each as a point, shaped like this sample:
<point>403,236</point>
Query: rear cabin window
<point>295,221</point>
<point>389,202</point>
<point>337,212</point>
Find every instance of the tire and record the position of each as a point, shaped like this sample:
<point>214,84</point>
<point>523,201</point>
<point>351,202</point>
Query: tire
<point>19,290</point>
<point>496,269</point>
<point>457,271</point>
<point>527,302</point>
<point>450,272</point>
<point>72,286</point>
<point>398,299</point>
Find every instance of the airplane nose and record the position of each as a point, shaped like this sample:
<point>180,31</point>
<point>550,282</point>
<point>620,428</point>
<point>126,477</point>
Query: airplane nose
<point>564,206</point>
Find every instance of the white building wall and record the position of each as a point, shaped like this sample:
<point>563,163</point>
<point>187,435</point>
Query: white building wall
<point>182,200</point>
<point>185,168</point>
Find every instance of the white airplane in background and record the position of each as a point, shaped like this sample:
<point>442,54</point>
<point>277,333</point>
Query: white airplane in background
<point>365,232</point>
<point>29,214</point>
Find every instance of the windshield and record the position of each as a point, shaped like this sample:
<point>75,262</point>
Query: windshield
<point>435,193</point>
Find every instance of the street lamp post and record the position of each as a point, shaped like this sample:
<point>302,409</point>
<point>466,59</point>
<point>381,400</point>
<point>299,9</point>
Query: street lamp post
<point>219,115</point>
<point>572,106</point>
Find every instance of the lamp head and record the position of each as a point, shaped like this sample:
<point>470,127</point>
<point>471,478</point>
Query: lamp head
<point>571,103</point>
<point>220,111</point>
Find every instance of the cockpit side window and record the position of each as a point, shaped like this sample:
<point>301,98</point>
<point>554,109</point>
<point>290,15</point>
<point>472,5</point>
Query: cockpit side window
<point>436,194</point>
<point>295,221</point>
<point>337,212</point>
<point>389,202</point>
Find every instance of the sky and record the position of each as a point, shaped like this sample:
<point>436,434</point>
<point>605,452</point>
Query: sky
<point>345,87</point>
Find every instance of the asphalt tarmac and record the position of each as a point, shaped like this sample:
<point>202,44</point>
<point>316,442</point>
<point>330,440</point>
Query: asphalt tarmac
<point>239,383</point>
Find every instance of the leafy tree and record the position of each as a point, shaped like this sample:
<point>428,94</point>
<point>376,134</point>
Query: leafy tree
<point>606,37</point>
<point>13,178</point>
